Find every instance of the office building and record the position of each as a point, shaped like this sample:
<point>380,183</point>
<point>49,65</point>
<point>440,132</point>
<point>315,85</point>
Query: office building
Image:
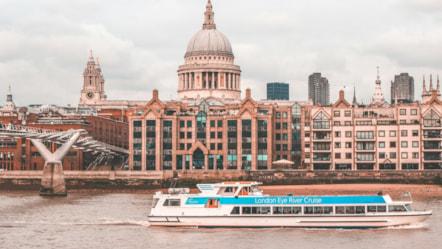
<point>318,89</point>
<point>278,91</point>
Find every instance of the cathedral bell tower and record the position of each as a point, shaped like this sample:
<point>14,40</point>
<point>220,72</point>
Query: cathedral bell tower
<point>93,84</point>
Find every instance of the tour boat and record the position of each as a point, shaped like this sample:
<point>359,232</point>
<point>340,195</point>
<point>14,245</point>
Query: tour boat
<point>242,204</point>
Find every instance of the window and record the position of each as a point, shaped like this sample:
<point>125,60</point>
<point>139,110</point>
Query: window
<point>404,144</point>
<point>284,147</point>
<point>212,134</point>
<point>278,147</point>
<point>189,134</point>
<point>337,113</point>
<point>182,123</point>
<point>404,133</point>
<point>413,111</point>
<point>182,146</point>
<point>415,144</point>
<point>220,146</point>
<point>284,115</point>
<point>364,135</point>
<point>347,123</point>
<point>402,112</point>
<point>392,144</point>
<point>403,121</point>
<point>338,155</point>
<point>172,202</point>
<point>348,145</point>
<point>189,123</point>
<point>321,121</point>
<point>382,133</point>
<point>348,155</point>
<point>404,155</point>
<point>337,145</point>
<point>220,134</point>
<point>347,113</point>
<point>284,126</point>
<point>212,123</point>
<point>278,115</point>
<point>382,155</point>
<point>337,123</point>
<point>278,136</point>
<point>393,155</point>
<point>182,135</point>
<point>285,136</point>
<point>415,155</point>
<point>212,146</point>
<point>337,133</point>
<point>278,126</point>
<point>392,133</point>
<point>415,133</point>
<point>381,144</point>
<point>348,133</point>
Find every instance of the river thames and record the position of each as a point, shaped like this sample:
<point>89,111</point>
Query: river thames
<point>97,219</point>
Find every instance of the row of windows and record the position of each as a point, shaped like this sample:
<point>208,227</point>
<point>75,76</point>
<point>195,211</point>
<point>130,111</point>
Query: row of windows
<point>280,210</point>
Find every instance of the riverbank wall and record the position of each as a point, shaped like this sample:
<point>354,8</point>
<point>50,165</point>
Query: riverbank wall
<point>11,180</point>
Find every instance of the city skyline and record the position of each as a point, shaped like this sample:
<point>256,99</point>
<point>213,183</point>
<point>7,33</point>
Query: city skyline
<point>140,48</point>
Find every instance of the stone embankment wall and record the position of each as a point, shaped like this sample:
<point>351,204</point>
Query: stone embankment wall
<point>154,180</point>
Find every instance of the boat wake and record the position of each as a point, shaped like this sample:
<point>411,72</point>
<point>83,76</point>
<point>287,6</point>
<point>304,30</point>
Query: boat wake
<point>410,226</point>
<point>107,221</point>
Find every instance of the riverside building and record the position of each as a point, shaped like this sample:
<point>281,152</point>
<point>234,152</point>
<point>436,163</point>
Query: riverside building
<point>211,128</point>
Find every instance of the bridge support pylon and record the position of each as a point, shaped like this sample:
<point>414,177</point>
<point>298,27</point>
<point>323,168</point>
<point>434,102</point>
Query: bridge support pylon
<point>52,181</point>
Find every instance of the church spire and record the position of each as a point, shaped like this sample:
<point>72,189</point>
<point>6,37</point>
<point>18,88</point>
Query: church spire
<point>209,20</point>
<point>423,85</point>
<point>91,57</point>
<point>354,94</point>
<point>431,82</point>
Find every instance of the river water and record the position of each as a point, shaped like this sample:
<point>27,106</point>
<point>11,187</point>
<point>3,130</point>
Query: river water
<point>91,219</point>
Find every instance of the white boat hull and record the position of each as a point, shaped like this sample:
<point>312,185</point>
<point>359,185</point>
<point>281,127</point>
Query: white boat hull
<point>362,221</point>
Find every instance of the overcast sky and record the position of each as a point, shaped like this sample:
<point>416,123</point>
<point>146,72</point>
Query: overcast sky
<point>44,45</point>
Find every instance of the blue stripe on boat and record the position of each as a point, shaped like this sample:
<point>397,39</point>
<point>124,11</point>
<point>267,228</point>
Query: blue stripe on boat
<point>289,200</point>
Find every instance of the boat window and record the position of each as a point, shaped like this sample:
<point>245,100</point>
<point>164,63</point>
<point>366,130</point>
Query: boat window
<point>296,210</point>
<point>360,209</point>
<point>230,190</point>
<point>260,210</point>
<point>396,208</point>
<point>308,210</point>
<point>328,210</point>
<point>340,210</point>
<point>287,210</point>
<point>408,207</point>
<point>246,210</point>
<point>318,210</point>
<point>235,210</point>
<point>382,209</point>
<point>277,210</point>
<point>212,203</point>
<point>371,209</point>
<point>172,202</point>
<point>155,202</point>
<point>349,209</point>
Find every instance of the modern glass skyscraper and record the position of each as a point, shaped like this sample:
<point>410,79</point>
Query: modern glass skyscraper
<point>402,88</point>
<point>277,91</point>
<point>318,89</point>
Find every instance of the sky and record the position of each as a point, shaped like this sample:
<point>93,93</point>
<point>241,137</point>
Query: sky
<point>45,44</point>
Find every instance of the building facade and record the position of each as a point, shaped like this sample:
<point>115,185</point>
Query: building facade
<point>318,89</point>
<point>402,88</point>
<point>210,131</point>
<point>278,91</point>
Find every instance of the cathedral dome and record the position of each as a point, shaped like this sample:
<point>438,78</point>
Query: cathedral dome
<point>209,41</point>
